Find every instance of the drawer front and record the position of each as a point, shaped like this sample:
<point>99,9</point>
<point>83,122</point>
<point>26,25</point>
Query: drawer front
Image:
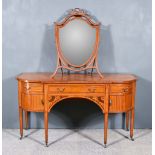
<point>76,88</point>
<point>120,89</point>
<point>32,87</point>
<point>32,102</point>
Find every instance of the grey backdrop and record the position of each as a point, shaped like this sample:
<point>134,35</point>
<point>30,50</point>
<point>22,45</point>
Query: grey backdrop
<point>28,46</point>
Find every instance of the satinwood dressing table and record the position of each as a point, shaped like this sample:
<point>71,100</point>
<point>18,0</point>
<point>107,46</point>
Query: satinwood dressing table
<point>113,93</point>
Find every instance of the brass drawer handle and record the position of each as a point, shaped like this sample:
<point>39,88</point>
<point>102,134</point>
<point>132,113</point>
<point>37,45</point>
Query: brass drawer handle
<point>92,90</point>
<point>125,89</point>
<point>60,90</point>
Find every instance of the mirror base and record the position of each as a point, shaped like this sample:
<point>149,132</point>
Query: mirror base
<point>92,66</point>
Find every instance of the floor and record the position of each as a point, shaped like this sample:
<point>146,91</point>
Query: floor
<point>76,142</point>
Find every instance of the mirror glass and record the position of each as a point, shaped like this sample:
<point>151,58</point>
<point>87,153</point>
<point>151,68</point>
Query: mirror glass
<point>77,41</point>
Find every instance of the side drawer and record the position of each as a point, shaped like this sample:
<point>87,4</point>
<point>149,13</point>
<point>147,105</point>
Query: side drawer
<point>31,88</point>
<point>120,89</point>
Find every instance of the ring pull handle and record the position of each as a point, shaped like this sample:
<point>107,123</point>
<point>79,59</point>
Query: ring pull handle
<point>110,102</point>
<point>60,90</point>
<point>42,101</point>
<point>92,90</point>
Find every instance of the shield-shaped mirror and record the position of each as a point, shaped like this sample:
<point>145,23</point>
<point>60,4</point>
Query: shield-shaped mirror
<point>77,41</point>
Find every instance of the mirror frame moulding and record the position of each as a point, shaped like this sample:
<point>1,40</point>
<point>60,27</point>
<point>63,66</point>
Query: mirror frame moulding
<point>62,62</point>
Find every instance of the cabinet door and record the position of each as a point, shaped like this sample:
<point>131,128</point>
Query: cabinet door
<point>32,102</point>
<point>120,99</point>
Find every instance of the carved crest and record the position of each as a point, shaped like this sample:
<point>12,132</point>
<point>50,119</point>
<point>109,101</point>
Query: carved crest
<point>77,12</point>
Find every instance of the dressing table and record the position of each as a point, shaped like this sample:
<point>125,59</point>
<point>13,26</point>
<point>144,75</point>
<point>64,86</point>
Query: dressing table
<point>113,93</point>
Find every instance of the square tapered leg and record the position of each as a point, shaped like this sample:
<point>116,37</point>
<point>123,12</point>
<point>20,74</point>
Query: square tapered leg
<point>105,128</point>
<point>132,124</point>
<point>21,122</point>
<point>46,127</point>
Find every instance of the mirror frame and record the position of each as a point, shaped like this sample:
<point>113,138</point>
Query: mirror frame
<point>62,62</point>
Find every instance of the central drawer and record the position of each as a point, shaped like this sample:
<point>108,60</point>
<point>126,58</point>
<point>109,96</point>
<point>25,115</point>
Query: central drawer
<point>76,88</point>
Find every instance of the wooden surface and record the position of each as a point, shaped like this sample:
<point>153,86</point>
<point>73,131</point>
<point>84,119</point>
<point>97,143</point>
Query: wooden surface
<point>76,78</point>
<point>115,93</point>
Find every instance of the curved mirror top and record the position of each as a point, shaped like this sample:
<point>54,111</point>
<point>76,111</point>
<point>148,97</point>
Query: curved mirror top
<point>77,41</point>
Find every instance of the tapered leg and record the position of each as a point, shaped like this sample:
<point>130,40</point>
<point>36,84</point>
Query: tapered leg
<point>132,124</point>
<point>26,119</point>
<point>105,128</point>
<point>127,120</point>
<point>21,122</point>
<point>46,127</point>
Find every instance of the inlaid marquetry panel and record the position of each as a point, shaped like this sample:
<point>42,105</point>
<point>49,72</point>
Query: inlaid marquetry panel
<point>52,100</point>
